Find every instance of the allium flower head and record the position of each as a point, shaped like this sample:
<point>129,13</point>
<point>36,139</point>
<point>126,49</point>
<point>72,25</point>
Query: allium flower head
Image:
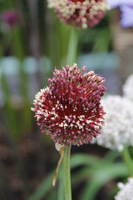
<point>128,88</point>
<point>69,110</point>
<point>82,13</point>
<point>10,17</point>
<point>118,129</point>
<point>126,191</point>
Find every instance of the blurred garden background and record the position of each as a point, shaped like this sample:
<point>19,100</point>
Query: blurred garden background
<point>32,42</point>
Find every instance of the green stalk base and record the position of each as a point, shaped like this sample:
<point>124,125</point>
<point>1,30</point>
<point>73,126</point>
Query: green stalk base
<point>67,176</point>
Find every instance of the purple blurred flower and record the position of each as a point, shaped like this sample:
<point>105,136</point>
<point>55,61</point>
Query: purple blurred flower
<point>10,17</point>
<point>126,7</point>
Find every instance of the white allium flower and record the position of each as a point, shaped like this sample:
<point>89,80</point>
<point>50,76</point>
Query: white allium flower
<point>128,87</point>
<point>126,191</point>
<point>118,129</point>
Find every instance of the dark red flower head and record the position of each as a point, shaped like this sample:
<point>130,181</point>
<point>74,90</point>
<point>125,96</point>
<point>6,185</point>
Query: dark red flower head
<point>82,13</point>
<point>69,110</point>
<point>10,17</point>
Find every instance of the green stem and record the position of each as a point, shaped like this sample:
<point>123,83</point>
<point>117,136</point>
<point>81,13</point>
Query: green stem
<point>60,194</point>
<point>128,160</point>
<point>67,175</point>
<point>72,46</point>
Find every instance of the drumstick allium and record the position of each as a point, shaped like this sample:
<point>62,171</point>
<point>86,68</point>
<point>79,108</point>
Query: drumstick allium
<point>82,13</point>
<point>69,110</point>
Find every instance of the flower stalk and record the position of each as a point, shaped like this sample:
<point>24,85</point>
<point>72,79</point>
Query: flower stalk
<point>72,46</point>
<point>67,175</point>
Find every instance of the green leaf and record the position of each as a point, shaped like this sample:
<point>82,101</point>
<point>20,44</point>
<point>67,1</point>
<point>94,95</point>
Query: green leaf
<point>101,177</point>
<point>43,189</point>
<point>81,175</point>
<point>84,159</point>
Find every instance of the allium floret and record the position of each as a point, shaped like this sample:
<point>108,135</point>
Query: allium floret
<point>126,191</point>
<point>82,13</point>
<point>69,110</point>
<point>118,129</point>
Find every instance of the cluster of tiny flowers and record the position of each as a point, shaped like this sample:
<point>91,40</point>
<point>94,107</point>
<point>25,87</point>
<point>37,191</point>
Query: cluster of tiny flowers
<point>118,129</point>
<point>69,110</point>
<point>126,191</point>
<point>82,13</point>
<point>128,87</point>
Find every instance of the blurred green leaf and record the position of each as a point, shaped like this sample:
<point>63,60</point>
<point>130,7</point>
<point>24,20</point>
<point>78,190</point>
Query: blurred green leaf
<point>101,177</point>
<point>11,115</point>
<point>84,159</point>
<point>43,189</point>
<point>81,175</point>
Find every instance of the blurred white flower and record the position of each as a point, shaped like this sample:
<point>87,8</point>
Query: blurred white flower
<point>118,129</point>
<point>126,191</point>
<point>128,88</point>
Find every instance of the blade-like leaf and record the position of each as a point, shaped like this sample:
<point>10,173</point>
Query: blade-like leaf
<point>101,177</point>
<point>84,159</point>
<point>43,189</point>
